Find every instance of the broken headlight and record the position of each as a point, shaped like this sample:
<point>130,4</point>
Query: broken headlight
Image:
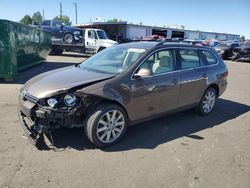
<point>69,99</point>
<point>52,102</point>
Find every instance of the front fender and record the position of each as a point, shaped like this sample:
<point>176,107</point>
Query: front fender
<point>119,93</point>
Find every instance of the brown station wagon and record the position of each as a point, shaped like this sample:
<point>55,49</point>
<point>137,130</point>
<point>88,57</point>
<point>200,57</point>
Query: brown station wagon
<point>121,86</point>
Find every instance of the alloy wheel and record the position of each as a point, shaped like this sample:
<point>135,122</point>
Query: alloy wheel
<point>68,38</point>
<point>110,126</point>
<point>209,101</point>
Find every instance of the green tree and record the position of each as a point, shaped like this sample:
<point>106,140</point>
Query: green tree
<point>113,20</point>
<point>26,20</point>
<point>37,18</point>
<point>64,18</point>
<point>242,38</point>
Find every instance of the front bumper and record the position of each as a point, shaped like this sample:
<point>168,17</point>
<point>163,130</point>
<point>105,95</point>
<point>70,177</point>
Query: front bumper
<point>28,133</point>
<point>36,120</point>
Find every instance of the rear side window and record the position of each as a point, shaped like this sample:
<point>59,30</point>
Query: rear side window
<point>189,58</point>
<point>209,57</point>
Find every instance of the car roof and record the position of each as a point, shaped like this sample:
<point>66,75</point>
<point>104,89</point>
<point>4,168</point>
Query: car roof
<point>142,44</point>
<point>151,44</point>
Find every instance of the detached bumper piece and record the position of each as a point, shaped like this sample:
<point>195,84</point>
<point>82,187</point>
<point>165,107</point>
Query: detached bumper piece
<point>30,134</point>
<point>36,134</point>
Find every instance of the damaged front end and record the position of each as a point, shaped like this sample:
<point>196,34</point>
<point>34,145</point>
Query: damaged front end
<point>241,53</point>
<point>42,116</point>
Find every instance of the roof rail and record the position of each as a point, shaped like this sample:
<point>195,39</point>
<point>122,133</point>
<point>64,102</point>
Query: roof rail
<point>169,40</point>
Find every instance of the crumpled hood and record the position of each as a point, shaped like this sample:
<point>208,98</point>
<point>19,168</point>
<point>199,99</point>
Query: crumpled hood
<point>61,80</point>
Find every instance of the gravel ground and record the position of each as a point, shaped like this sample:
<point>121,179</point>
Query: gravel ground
<point>181,150</point>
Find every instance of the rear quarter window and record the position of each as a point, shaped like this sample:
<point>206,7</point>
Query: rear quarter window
<point>209,57</point>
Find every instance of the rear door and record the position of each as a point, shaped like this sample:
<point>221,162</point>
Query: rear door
<point>193,76</point>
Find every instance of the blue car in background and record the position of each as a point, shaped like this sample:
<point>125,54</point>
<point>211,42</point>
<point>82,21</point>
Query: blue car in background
<point>61,32</point>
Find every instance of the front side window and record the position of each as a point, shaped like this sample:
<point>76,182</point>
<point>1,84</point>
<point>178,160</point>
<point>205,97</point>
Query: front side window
<point>188,58</point>
<point>160,62</point>
<point>209,57</point>
<point>46,23</point>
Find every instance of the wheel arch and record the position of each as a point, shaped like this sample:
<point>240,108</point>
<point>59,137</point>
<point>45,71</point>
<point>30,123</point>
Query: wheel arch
<point>101,48</point>
<point>98,100</point>
<point>215,87</point>
<point>68,32</point>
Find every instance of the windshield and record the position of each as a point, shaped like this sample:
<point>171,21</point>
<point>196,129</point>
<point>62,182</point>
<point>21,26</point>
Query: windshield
<point>101,34</point>
<point>113,60</point>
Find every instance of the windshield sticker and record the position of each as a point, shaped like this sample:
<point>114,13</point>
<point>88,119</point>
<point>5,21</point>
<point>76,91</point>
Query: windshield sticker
<point>136,50</point>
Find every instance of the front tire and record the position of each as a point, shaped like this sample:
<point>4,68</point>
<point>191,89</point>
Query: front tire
<point>68,38</point>
<point>106,124</point>
<point>207,102</point>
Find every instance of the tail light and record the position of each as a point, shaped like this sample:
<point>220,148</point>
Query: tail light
<point>225,74</point>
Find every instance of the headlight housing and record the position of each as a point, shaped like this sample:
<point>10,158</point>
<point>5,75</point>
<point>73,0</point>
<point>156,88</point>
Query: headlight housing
<point>52,102</point>
<point>69,99</point>
<point>76,32</point>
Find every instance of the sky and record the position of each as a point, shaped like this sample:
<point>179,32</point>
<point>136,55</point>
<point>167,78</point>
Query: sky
<point>226,16</point>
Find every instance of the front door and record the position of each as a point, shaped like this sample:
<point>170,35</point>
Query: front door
<point>57,29</point>
<point>159,92</point>
<point>91,39</point>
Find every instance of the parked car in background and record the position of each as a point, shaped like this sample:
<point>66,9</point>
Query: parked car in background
<point>121,86</point>
<point>62,32</point>
<point>225,49</point>
<point>198,43</point>
<point>242,52</point>
<point>152,37</point>
<point>214,43</point>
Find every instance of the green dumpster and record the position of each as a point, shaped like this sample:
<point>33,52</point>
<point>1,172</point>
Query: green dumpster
<point>21,46</point>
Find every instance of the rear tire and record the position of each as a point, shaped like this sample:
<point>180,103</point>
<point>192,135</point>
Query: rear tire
<point>207,102</point>
<point>106,124</point>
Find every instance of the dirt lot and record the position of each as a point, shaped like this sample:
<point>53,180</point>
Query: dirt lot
<point>181,150</point>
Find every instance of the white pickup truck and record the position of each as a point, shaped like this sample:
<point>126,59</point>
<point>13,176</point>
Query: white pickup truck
<point>93,41</point>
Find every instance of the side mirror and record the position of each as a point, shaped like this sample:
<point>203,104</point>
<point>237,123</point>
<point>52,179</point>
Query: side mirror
<point>62,26</point>
<point>143,72</point>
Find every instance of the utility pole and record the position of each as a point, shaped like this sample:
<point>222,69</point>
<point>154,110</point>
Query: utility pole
<point>61,11</point>
<point>43,15</point>
<point>75,11</point>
